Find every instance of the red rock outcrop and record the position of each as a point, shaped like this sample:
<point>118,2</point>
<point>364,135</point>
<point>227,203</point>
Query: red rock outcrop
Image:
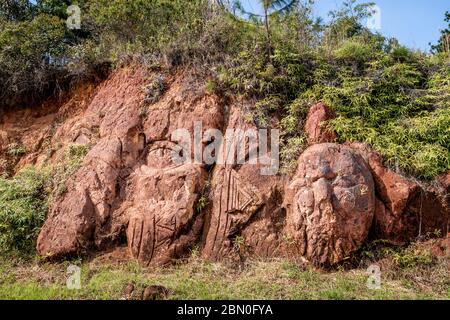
<point>128,183</point>
<point>246,213</point>
<point>315,126</point>
<point>163,221</point>
<point>85,215</point>
<point>42,132</point>
<point>405,210</point>
<point>431,206</point>
<point>394,192</point>
<point>330,203</point>
<point>130,189</point>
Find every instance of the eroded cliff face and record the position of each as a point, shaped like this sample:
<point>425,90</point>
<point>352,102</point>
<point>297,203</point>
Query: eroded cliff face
<point>130,191</point>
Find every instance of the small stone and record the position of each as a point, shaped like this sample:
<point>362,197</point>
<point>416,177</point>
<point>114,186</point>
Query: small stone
<point>155,293</point>
<point>128,291</point>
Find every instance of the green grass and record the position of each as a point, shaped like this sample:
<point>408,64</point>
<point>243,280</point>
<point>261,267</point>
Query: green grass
<point>196,279</point>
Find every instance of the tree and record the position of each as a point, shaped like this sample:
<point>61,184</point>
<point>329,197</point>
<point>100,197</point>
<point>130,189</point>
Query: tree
<point>346,21</point>
<point>444,42</point>
<point>54,7</point>
<point>269,7</point>
<point>16,10</point>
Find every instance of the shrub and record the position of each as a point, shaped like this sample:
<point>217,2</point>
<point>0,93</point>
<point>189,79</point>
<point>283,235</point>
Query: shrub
<point>30,53</point>
<point>16,150</point>
<point>155,89</point>
<point>353,51</point>
<point>23,207</point>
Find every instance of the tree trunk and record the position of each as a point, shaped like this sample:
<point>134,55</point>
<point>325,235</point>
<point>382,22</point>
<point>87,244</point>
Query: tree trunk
<point>266,23</point>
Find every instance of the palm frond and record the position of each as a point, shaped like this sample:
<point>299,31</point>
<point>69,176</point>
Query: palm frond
<point>282,5</point>
<point>279,6</point>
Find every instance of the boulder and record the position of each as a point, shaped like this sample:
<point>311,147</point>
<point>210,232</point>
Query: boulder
<point>330,204</point>
<point>393,221</point>
<point>315,126</point>
<point>155,292</point>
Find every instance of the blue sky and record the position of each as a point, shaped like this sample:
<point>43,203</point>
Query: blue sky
<point>415,23</point>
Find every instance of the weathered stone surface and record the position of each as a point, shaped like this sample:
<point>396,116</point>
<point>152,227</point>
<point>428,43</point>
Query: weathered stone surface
<point>406,210</point>
<point>431,207</point>
<point>330,203</point>
<point>44,130</point>
<point>76,220</point>
<point>315,126</point>
<point>85,216</point>
<point>263,236</point>
<point>162,222</point>
<point>128,291</point>
<point>155,293</point>
<point>128,184</point>
<point>234,202</point>
<point>442,184</point>
<point>444,181</point>
<point>128,187</point>
<point>393,221</point>
<point>3,138</point>
<point>246,213</point>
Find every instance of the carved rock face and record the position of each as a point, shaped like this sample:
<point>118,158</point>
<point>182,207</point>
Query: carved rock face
<point>163,220</point>
<point>161,216</point>
<point>234,203</point>
<point>243,205</point>
<point>128,183</point>
<point>84,216</point>
<point>330,203</point>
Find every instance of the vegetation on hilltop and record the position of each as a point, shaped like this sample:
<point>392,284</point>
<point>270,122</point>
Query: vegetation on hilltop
<point>395,99</point>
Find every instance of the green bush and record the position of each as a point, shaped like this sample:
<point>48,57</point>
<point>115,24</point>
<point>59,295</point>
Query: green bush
<point>16,150</point>
<point>354,51</point>
<point>23,207</point>
<point>30,53</point>
<point>24,200</point>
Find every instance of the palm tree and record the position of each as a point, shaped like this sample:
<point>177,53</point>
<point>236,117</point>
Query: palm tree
<point>269,7</point>
<point>274,6</point>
